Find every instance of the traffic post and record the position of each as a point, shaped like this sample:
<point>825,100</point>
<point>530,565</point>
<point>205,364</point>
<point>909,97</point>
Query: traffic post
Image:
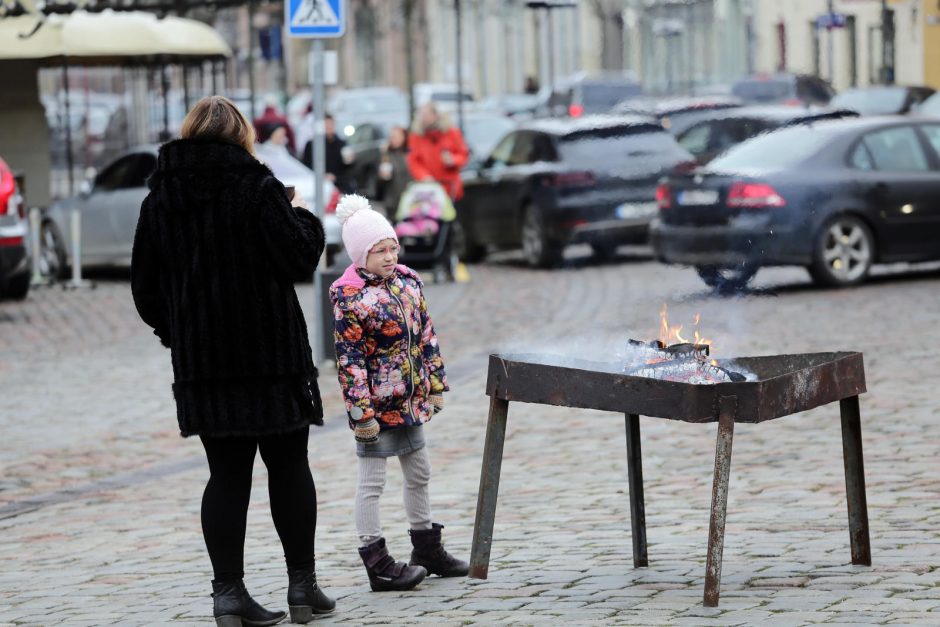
<point>317,20</point>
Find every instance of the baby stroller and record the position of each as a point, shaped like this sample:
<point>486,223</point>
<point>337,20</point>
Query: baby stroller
<point>424,224</point>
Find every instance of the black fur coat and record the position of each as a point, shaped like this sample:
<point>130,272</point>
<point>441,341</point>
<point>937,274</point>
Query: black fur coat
<point>217,251</point>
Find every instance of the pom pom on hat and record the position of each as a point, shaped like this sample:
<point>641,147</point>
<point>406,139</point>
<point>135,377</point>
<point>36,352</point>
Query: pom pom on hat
<point>363,227</point>
<point>350,204</point>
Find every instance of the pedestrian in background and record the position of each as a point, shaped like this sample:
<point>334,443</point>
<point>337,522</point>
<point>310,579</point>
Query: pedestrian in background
<point>394,175</point>
<point>392,376</point>
<point>217,250</point>
<point>269,120</point>
<point>531,85</point>
<point>437,151</point>
<point>338,157</point>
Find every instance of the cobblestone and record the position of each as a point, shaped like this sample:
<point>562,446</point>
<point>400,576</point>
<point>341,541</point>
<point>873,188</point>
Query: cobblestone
<point>97,487</point>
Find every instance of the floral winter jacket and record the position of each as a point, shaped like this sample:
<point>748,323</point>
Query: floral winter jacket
<point>386,350</point>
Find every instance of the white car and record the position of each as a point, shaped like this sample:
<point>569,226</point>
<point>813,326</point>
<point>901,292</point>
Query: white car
<point>444,95</point>
<point>110,206</point>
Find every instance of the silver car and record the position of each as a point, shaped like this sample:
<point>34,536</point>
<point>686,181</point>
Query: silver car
<point>110,204</point>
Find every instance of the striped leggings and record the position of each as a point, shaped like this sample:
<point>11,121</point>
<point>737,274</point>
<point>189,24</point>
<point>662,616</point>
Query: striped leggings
<point>416,471</point>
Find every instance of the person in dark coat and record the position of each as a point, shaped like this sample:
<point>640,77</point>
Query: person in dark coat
<point>394,175</point>
<point>216,254</point>
<point>335,165</point>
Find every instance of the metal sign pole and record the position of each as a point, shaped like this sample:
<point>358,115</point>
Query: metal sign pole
<point>317,19</point>
<point>319,174</point>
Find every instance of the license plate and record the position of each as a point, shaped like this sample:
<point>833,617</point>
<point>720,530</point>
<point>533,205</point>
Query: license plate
<point>634,210</point>
<point>697,197</point>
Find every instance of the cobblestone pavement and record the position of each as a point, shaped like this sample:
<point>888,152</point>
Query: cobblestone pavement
<point>99,497</point>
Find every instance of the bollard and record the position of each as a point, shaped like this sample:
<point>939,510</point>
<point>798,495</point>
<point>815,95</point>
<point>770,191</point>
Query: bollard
<point>35,242</point>
<point>75,222</point>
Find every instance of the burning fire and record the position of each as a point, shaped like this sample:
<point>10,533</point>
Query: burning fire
<point>669,335</point>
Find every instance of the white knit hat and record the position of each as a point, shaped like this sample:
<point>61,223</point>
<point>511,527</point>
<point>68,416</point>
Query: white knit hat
<point>363,227</point>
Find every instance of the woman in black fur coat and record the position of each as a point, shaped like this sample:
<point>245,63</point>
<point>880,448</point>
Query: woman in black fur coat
<point>218,248</point>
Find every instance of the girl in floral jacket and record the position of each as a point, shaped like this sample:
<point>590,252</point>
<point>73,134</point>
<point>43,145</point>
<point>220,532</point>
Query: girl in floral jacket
<point>392,375</point>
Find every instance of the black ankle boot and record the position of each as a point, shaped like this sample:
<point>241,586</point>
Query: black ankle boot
<point>385,573</point>
<point>429,552</point>
<point>305,598</point>
<point>232,606</point>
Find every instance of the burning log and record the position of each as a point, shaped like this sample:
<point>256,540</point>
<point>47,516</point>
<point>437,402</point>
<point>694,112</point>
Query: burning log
<point>683,363</point>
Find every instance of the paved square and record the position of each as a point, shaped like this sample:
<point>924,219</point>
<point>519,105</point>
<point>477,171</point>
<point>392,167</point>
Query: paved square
<point>99,496</point>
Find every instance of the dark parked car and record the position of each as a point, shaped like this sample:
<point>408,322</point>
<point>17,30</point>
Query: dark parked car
<point>708,138</point>
<point>588,94</point>
<point>834,196</point>
<point>882,99</point>
<point>677,114</point>
<point>554,182</point>
<point>791,89</point>
<point>14,245</point>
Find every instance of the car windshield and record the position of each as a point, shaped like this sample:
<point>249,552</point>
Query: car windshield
<point>606,95</point>
<point>931,106</point>
<point>449,96</point>
<point>882,100</point>
<point>482,134</point>
<point>773,151</point>
<point>612,147</point>
<point>761,90</point>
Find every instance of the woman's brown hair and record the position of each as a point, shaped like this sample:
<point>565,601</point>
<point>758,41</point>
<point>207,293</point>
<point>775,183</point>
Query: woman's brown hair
<point>217,117</point>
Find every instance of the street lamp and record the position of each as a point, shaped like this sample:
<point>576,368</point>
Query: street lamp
<point>548,6</point>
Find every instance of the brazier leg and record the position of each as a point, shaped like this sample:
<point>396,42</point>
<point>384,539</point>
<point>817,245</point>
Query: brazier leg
<point>635,478</point>
<point>855,481</point>
<point>489,487</point>
<point>727,406</point>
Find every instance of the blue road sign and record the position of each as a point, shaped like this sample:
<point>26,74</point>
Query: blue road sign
<point>831,20</point>
<point>315,18</point>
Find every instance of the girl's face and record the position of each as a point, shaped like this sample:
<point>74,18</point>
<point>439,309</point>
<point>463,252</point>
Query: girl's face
<point>382,258</point>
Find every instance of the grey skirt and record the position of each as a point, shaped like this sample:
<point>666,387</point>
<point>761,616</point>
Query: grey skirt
<point>393,442</point>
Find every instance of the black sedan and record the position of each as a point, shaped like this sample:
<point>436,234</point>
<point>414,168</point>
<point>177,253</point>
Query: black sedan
<point>722,129</point>
<point>834,196</point>
<point>559,181</point>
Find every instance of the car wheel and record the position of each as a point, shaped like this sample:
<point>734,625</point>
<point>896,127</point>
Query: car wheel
<point>604,251</point>
<point>539,250</point>
<point>722,279</point>
<point>53,260</point>
<point>18,287</point>
<point>467,250</point>
<point>844,252</point>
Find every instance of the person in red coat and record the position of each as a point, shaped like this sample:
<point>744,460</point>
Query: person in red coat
<point>437,151</point>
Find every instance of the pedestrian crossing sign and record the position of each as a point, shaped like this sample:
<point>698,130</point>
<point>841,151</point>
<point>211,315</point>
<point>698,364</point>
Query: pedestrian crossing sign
<point>315,18</point>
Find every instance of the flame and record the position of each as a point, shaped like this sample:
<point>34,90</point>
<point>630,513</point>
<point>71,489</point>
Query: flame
<point>673,334</point>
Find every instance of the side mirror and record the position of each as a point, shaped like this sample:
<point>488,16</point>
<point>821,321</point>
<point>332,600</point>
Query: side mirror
<point>85,187</point>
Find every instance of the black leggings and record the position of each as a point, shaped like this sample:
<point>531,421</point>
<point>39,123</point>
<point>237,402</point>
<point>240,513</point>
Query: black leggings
<point>225,501</point>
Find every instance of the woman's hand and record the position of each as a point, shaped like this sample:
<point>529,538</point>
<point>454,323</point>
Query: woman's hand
<point>367,431</point>
<point>299,202</point>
